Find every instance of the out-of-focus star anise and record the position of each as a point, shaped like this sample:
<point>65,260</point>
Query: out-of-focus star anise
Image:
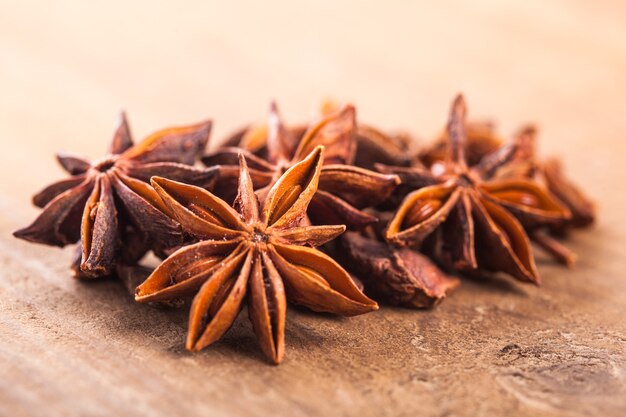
<point>263,255</point>
<point>469,222</point>
<point>375,146</point>
<point>108,202</point>
<point>582,208</point>
<point>526,164</point>
<point>481,139</point>
<point>253,138</point>
<point>343,188</point>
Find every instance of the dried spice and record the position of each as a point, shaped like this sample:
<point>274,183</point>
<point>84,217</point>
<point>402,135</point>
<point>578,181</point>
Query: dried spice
<point>253,138</point>
<point>582,208</point>
<point>468,222</point>
<point>261,254</point>
<point>481,139</point>
<point>549,172</point>
<point>398,275</point>
<point>375,146</point>
<point>469,203</point>
<point>526,164</point>
<point>107,204</point>
<point>344,189</point>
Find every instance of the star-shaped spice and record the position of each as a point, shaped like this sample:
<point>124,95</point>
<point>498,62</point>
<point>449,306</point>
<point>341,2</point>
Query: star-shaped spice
<point>468,222</point>
<point>344,189</point>
<point>109,201</point>
<point>526,164</point>
<point>481,139</point>
<point>263,255</point>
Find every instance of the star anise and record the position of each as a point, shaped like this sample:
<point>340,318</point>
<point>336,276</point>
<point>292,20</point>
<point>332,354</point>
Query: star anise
<point>373,145</point>
<point>582,208</point>
<point>526,164</point>
<point>343,189</point>
<point>397,275</point>
<point>104,202</point>
<point>253,138</point>
<point>259,254</point>
<point>469,222</point>
<point>481,139</point>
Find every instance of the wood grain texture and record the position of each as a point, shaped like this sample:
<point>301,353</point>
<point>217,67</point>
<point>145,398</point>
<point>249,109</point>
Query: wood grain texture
<point>493,348</point>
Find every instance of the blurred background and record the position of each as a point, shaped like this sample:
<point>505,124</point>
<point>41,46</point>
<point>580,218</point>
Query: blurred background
<point>67,67</point>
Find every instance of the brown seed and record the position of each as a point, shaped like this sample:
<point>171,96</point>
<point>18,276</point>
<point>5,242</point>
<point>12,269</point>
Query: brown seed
<point>420,212</point>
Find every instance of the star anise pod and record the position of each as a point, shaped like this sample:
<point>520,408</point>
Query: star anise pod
<point>582,208</point>
<point>397,275</point>
<point>469,222</point>
<point>262,255</point>
<point>526,164</point>
<point>253,138</point>
<point>343,189</point>
<point>102,201</point>
<point>375,146</point>
<point>481,139</point>
<point>372,144</point>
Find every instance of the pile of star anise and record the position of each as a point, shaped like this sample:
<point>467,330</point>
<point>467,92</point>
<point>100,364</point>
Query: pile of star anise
<point>319,214</point>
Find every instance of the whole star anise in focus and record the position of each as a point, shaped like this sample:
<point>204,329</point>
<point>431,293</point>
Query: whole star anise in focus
<point>108,202</point>
<point>259,254</point>
<point>469,222</point>
<point>344,189</point>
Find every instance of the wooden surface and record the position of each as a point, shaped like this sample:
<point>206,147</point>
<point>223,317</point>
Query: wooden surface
<point>493,348</point>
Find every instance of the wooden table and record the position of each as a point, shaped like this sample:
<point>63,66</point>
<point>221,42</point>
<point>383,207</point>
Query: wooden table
<point>493,348</point>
